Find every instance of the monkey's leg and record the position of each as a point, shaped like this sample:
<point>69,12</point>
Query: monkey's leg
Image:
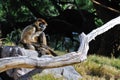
<point>49,50</point>
<point>29,46</point>
<point>44,49</point>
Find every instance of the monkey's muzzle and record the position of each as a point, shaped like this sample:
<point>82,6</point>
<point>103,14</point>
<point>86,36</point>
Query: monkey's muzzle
<point>43,27</point>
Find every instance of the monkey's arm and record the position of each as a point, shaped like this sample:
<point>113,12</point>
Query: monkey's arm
<point>42,39</point>
<point>36,34</point>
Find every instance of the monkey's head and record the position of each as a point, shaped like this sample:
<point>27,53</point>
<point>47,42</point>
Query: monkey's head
<point>41,24</point>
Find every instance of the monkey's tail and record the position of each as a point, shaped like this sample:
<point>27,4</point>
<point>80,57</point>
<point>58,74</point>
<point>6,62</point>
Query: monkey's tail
<point>45,47</point>
<point>52,52</point>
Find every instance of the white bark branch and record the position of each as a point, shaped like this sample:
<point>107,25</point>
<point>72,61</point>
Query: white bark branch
<point>53,62</point>
<point>42,63</point>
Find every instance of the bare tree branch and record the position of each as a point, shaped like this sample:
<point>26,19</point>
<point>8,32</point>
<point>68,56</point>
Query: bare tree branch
<point>104,6</point>
<point>103,28</point>
<point>42,63</point>
<point>53,62</point>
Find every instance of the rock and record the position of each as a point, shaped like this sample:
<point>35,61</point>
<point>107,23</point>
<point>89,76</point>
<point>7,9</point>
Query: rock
<point>67,73</point>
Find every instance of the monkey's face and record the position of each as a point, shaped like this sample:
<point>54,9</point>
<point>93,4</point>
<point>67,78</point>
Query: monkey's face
<point>41,23</point>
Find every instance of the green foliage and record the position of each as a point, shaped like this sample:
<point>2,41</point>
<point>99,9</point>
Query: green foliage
<point>20,13</point>
<point>14,11</point>
<point>84,4</point>
<point>1,13</point>
<point>45,7</point>
<point>98,22</point>
<point>13,38</point>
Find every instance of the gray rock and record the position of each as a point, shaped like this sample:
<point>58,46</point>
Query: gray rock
<point>67,73</point>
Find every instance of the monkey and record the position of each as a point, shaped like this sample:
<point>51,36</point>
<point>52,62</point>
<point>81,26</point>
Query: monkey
<point>30,33</point>
<point>33,37</point>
